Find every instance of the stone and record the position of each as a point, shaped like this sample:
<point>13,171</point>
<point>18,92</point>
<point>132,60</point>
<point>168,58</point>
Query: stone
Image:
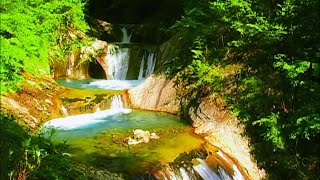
<point>155,93</point>
<point>154,136</point>
<point>132,141</point>
<point>141,136</point>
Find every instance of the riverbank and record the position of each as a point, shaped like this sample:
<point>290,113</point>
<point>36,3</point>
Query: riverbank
<point>35,103</point>
<point>38,101</point>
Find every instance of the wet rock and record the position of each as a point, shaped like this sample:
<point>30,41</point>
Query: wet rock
<point>141,136</point>
<point>154,136</point>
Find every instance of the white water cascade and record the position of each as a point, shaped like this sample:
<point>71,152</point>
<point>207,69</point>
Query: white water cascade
<point>125,37</point>
<point>151,62</point>
<point>64,111</point>
<point>141,69</point>
<point>118,62</point>
<point>116,102</point>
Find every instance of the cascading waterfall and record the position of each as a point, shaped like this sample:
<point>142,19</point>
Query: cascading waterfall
<point>64,111</point>
<point>200,171</point>
<point>118,62</point>
<point>151,62</point>
<point>141,69</point>
<point>216,166</point>
<point>116,102</point>
<point>125,37</point>
<point>70,67</point>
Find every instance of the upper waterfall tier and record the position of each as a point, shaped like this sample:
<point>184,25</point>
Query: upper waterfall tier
<point>118,63</point>
<point>125,37</point>
<point>130,62</point>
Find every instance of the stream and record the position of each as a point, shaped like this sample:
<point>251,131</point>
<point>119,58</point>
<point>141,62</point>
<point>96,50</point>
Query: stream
<point>136,143</point>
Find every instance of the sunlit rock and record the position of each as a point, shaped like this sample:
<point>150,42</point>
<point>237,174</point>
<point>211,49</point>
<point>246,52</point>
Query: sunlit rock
<point>155,93</point>
<point>154,136</point>
<point>141,136</point>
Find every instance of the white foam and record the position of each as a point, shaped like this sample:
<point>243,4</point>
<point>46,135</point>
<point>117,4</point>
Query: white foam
<point>205,171</point>
<point>78,121</point>
<point>118,62</point>
<point>112,84</point>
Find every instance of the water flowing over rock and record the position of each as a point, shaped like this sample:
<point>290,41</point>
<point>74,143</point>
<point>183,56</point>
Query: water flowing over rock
<point>151,62</point>
<point>116,102</point>
<point>199,164</point>
<point>125,37</point>
<point>118,62</point>
<point>64,111</point>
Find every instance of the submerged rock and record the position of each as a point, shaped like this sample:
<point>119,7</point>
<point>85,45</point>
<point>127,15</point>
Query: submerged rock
<point>154,136</point>
<point>141,136</point>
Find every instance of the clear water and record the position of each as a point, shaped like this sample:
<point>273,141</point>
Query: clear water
<point>100,139</point>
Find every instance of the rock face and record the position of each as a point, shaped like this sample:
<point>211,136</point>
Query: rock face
<point>157,94</point>
<point>217,126</point>
<point>76,65</point>
<point>72,68</point>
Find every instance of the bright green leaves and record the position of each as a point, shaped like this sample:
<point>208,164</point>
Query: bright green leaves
<point>10,65</point>
<point>276,89</point>
<point>199,79</point>
<point>292,70</point>
<point>306,127</point>
<point>272,130</point>
<point>249,25</point>
<point>34,32</point>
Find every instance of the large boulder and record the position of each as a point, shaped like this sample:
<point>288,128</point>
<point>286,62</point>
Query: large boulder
<point>156,93</point>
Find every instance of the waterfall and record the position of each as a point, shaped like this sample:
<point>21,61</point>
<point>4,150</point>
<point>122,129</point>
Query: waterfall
<point>116,102</point>
<point>71,66</point>
<point>64,111</point>
<point>125,37</point>
<point>199,170</point>
<point>98,109</point>
<point>118,62</point>
<point>205,171</point>
<point>141,69</point>
<point>118,59</point>
<point>151,62</point>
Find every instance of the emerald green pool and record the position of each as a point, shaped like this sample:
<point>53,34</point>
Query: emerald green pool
<point>100,139</point>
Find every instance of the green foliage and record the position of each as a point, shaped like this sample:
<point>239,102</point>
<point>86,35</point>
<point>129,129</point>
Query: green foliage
<point>272,130</point>
<point>276,92</point>
<point>34,32</point>
<point>23,155</point>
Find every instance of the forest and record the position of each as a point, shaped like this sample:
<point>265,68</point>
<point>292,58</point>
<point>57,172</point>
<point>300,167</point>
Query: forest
<point>262,58</point>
